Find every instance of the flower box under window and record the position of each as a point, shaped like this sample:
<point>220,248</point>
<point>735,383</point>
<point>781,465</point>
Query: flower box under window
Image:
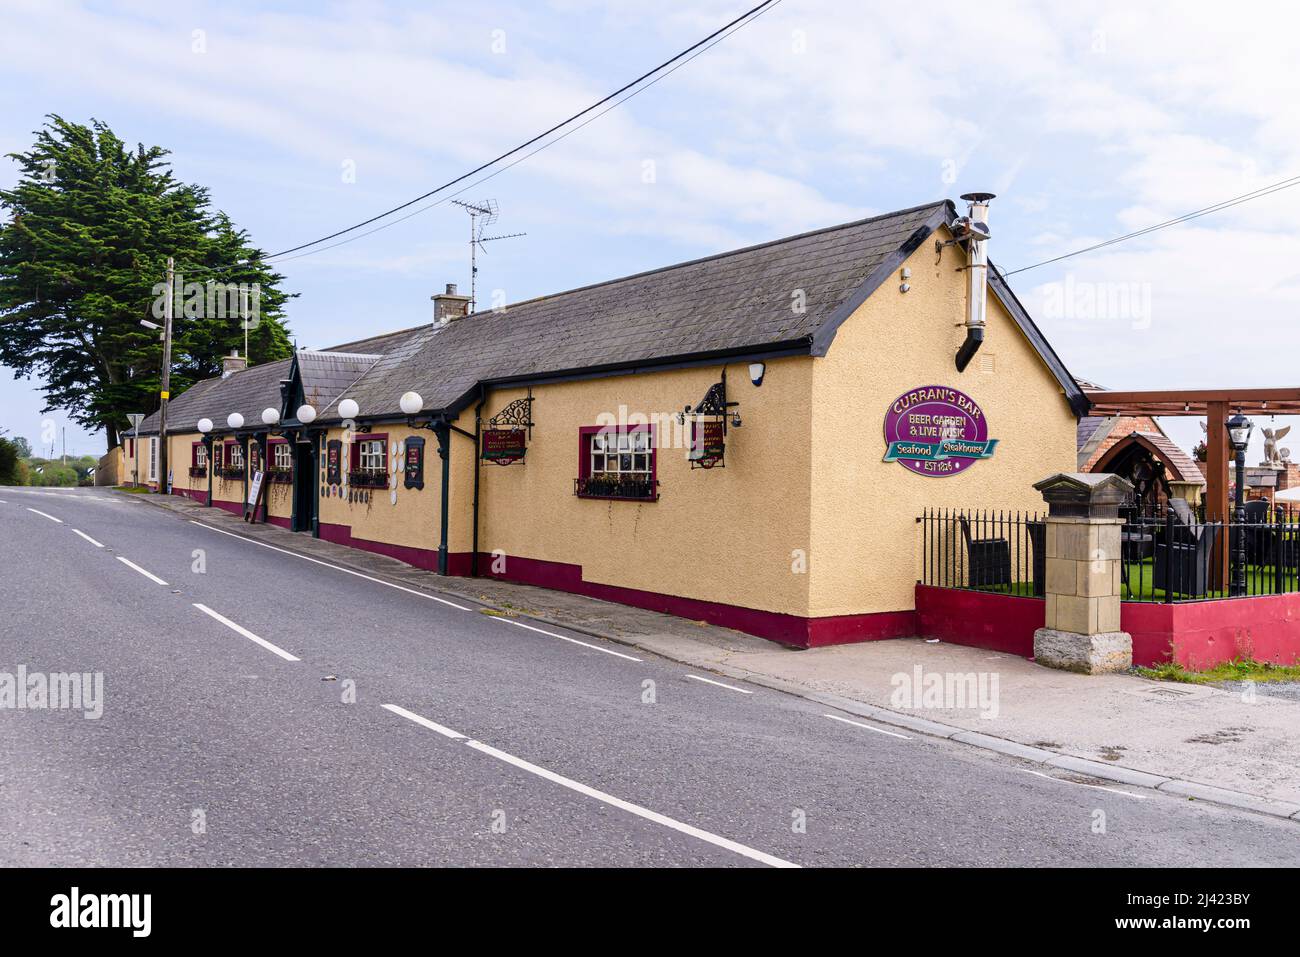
<point>615,486</point>
<point>198,471</point>
<point>279,476</point>
<point>366,478</point>
<point>232,472</point>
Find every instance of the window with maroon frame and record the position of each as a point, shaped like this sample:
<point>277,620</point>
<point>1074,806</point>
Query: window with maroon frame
<point>617,463</point>
<point>279,461</point>
<point>198,460</point>
<point>368,461</point>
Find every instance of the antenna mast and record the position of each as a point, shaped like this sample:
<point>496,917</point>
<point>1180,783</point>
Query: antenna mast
<point>481,214</point>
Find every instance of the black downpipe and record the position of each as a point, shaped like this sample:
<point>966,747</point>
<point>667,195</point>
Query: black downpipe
<point>478,440</point>
<point>974,339</point>
<point>442,429</point>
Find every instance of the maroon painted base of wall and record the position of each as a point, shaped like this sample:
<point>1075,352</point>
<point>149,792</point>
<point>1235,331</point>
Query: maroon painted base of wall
<point>1206,633</point>
<point>981,619</point>
<point>774,626</point>
<point>458,563</point>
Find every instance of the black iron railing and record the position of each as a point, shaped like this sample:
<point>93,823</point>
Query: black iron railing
<point>1168,553</point>
<point>984,550</point>
<point>603,486</point>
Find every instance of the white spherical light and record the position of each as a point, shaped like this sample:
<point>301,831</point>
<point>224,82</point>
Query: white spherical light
<point>349,409</point>
<point>306,414</point>
<point>411,403</point>
<point>205,426</point>
<point>235,420</point>
<point>270,416</point>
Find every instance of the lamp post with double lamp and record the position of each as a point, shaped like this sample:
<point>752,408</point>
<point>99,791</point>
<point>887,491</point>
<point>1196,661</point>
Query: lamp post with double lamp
<point>1239,429</point>
<point>205,429</point>
<point>411,404</point>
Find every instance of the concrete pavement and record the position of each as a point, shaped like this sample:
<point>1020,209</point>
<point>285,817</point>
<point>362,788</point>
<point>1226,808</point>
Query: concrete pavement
<point>569,749</point>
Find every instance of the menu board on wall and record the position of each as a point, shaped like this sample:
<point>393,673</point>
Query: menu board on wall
<point>334,462</point>
<point>414,462</point>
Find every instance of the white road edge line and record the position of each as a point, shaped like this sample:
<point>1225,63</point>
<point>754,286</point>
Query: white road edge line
<point>616,654</point>
<point>424,722</point>
<point>88,538</point>
<point>858,724</point>
<point>147,574</point>
<point>45,515</point>
<point>1080,784</point>
<point>340,568</point>
<point>240,630</point>
<point>654,816</point>
<point>710,681</point>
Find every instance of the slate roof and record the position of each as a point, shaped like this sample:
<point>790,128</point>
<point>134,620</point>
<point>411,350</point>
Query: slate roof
<point>722,304</point>
<point>730,305</point>
<point>1183,465</point>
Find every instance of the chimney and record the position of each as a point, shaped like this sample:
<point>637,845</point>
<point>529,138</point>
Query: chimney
<point>233,363</point>
<point>449,305</point>
<point>973,231</point>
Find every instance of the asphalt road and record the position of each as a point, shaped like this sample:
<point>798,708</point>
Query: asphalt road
<point>313,716</point>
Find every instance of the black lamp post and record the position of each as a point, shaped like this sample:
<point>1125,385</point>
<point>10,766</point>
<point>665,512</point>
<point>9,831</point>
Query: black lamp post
<point>1239,429</point>
<point>205,429</point>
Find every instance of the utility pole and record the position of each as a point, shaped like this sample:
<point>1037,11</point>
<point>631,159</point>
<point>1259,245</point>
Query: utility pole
<point>165,391</point>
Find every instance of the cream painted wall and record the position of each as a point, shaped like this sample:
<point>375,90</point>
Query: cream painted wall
<point>721,535</point>
<point>865,540</point>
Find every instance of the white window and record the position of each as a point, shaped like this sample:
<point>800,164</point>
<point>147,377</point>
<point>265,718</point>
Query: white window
<point>621,454</point>
<point>153,460</point>
<point>282,459</point>
<point>201,456</point>
<point>236,456</point>
<point>371,456</point>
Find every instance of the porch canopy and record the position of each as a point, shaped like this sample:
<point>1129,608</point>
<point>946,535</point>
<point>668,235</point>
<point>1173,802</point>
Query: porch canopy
<point>1214,405</point>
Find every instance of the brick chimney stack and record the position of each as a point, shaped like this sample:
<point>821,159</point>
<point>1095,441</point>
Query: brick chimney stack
<point>449,305</point>
<point>233,363</point>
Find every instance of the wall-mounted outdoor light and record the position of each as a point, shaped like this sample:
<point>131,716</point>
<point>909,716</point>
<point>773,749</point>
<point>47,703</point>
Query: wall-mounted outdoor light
<point>270,416</point>
<point>306,414</point>
<point>235,420</point>
<point>411,403</point>
<point>756,372</point>
<point>349,409</point>
<point>205,426</point>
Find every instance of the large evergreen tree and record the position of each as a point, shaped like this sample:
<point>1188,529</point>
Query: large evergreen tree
<point>91,224</point>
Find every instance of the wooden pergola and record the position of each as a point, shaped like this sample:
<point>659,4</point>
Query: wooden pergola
<point>1215,406</point>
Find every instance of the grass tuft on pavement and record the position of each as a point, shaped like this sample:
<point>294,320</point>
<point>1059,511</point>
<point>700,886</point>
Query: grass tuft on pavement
<point>1238,669</point>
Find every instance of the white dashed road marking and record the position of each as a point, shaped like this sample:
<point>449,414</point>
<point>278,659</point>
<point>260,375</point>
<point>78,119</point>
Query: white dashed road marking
<point>580,788</point>
<point>240,630</point>
<point>616,654</point>
<point>1080,784</point>
<point>858,724</point>
<point>339,568</point>
<point>88,538</point>
<point>147,574</point>
<point>710,681</point>
<point>35,511</point>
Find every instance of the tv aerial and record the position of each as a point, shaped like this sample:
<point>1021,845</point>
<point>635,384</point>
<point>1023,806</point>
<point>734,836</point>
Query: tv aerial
<point>481,215</point>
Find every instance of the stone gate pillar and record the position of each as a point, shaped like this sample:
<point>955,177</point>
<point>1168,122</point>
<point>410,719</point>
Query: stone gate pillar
<point>1084,558</point>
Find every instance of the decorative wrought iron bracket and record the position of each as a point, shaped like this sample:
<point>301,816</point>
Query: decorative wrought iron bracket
<point>518,414</point>
<point>713,404</point>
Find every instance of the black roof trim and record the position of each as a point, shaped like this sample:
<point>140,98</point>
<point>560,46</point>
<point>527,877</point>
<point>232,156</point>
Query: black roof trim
<point>825,333</point>
<point>1079,402</point>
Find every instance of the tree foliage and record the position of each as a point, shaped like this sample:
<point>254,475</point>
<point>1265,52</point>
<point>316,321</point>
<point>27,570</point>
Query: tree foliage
<point>91,224</point>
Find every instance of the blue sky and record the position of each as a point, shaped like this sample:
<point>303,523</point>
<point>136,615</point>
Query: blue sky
<point>1088,120</point>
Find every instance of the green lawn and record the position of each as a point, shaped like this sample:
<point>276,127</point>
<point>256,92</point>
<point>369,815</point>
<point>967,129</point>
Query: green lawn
<point>1141,575</point>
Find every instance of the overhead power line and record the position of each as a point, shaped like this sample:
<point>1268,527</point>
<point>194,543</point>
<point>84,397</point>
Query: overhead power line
<point>1186,217</point>
<point>751,14</point>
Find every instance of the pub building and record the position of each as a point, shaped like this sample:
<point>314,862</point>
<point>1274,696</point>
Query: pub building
<point>745,439</point>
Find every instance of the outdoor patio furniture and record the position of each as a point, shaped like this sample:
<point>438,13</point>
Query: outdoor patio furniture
<point>1182,565</point>
<point>988,559</point>
<point>1260,540</point>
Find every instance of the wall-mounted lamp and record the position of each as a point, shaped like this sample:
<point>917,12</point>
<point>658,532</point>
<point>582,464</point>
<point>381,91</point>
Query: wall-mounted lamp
<point>235,420</point>
<point>205,426</point>
<point>735,420</point>
<point>270,416</point>
<point>306,414</point>
<point>756,372</point>
<point>349,409</point>
<point>411,403</point>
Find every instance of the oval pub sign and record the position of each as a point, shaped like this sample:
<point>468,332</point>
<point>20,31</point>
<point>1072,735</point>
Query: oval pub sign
<point>936,430</point>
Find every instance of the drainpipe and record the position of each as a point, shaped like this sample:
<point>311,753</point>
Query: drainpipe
<point>974,230</point>
<point>478,440</point>
<point>442,430</point>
